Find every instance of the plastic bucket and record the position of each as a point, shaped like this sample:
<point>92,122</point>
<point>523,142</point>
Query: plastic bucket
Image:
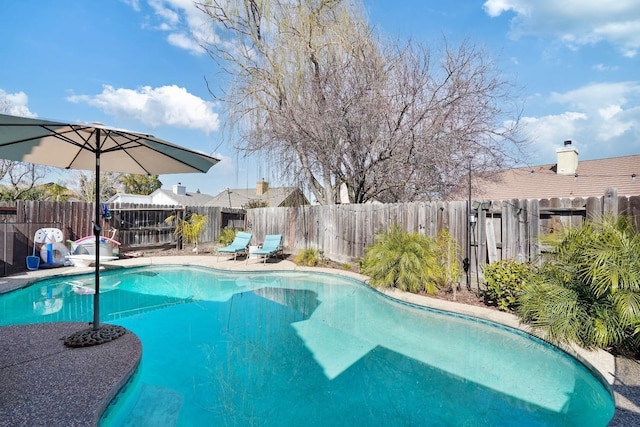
<point>33,262</point>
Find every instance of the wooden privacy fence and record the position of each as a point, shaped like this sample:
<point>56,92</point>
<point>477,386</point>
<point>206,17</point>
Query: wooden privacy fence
<point>144,226</point>
<point>135,226</point>
<point>507,229</point>
<point>502,229</point>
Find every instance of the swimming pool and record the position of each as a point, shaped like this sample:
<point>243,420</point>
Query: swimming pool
<point>291,348</point>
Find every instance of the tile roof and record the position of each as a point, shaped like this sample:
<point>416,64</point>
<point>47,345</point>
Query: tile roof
<point>239,197</point>
<point>188,199</point>
<point>592,178</point>
<point>163,197</point>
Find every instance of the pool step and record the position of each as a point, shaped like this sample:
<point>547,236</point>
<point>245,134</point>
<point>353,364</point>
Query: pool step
<point>335,350</point>
<point>155,406</point>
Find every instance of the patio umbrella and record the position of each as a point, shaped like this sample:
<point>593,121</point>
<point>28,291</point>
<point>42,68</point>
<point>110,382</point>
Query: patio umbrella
<point>95,147</point>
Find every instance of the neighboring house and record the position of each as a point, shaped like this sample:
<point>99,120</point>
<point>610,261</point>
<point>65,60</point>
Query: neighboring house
<point>178,196</point>
<point>567,178</point>
<point>129,198</point>
<point>261,196</point>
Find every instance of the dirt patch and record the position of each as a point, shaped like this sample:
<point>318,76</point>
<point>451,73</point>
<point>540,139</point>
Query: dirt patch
<point>464,296</point>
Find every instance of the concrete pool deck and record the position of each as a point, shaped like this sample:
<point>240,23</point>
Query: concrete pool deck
<point>42,382</point>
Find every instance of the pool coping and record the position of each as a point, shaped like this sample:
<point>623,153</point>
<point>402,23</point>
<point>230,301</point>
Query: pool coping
<point>44,336</point>
<point>46,383</point>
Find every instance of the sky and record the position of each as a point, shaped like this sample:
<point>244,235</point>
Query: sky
<point>136,65</point>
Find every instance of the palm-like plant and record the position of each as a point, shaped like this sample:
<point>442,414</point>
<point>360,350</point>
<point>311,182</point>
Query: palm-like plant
<point>226,236</point>
<point>589,291</point>
<point>403,260</point>
<point>309,257</point>
<point>189,229</point>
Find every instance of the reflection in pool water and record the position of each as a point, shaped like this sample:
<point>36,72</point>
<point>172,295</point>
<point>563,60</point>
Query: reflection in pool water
<point>289,349</point>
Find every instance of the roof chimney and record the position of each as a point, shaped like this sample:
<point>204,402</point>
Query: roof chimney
<point>567,163</point>
<point>262,187</point>
<point>179,189</point>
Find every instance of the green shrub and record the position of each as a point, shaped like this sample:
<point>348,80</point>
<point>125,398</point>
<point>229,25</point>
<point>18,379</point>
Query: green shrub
<point>407,261</point>
<point>505,280</point>
<point>448,255</point>
<point>253,203</point>
<point>588,290</point>
<point>226,236</point>
<point>309,257</point>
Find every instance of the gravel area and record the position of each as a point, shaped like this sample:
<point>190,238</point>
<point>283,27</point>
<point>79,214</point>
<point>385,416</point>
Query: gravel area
<point>45,383</point>
<point>626,389</point>
<point>41,380</point>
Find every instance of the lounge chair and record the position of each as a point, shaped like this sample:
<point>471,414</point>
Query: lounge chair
<point>238,246</point>
<point>272,245</point>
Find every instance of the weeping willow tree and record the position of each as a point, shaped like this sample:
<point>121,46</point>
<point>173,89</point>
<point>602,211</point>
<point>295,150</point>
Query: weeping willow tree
<point>328,100</point>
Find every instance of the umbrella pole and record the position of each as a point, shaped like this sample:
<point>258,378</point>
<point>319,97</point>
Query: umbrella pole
<point>96,233</point>
<point>97,334</point>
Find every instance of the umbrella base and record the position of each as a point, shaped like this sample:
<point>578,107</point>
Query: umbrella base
<point>90,337</point>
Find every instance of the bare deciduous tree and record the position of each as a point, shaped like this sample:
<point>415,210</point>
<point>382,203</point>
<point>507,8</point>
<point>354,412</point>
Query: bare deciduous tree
<point>315,89</point>
<point>86,190</point>
<point>19,178</point>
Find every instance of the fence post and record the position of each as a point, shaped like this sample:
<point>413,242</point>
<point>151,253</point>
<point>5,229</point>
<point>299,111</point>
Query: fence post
<point>533,222</point>
<point>610,202</point>
<point>4,251</point>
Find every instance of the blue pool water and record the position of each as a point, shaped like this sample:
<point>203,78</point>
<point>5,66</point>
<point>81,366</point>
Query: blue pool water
<point>291,349</point>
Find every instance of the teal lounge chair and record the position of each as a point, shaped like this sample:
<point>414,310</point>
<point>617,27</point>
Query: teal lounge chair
<point>238,246</point>
<point>272,246</point>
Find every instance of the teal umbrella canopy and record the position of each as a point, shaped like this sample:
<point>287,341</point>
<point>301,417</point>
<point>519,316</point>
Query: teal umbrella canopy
<point>94,147</point>
<point>76,146</point>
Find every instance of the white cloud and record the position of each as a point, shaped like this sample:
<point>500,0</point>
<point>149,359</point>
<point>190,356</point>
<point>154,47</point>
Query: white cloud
<point>609,111</point>
<point>15,104</point>
<point>603,67</point>
<point>161,106</point>
<point>170,16</point>
<point>186,26</point>
<point>226,165</point>
<point>135,4</point>
<point>574,22</point>
<point>548,132</point>
<point>498,7</point>
<point>185,42</point>
<point>601,118</point>
<point>593,96</point>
